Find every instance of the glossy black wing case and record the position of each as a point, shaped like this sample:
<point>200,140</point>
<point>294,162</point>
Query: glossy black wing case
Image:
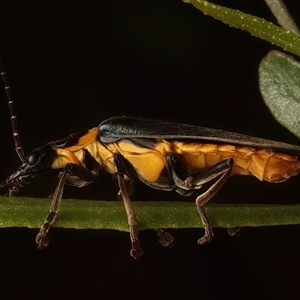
<point>118,128</point>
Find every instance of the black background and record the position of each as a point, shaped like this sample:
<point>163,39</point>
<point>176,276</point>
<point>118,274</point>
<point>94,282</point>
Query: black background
<point>72,64</point>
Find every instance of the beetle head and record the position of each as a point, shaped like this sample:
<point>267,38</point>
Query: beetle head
<point>35,165</point>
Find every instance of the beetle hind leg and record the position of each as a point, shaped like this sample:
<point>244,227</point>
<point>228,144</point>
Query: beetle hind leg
<point>224,169</point>
<point>187,183</point>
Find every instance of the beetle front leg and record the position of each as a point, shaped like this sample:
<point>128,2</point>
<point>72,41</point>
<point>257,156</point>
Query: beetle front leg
<point>72,174</point>
<point>42,238</point>
<point>136,251</point>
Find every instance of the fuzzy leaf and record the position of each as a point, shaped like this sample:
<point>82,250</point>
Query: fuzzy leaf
<point>279,80</point>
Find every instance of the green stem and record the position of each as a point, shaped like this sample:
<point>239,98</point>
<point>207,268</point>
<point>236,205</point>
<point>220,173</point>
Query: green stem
<point>256,26</point>
<point>86,214</point>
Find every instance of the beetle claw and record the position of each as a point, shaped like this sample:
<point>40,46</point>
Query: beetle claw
<point>207,238</point>
<point>136,251</point>
<point>233,231</point>
<point>42,239</point>
<point>165,238</point>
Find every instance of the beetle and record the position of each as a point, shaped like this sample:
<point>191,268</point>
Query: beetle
<point>163,155</point>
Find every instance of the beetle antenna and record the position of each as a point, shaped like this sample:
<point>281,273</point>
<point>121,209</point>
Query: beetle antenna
<point>13,116</point>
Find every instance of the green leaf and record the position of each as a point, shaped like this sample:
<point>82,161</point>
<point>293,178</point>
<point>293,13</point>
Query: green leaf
<point>279,80</point>
<point>282,15</point>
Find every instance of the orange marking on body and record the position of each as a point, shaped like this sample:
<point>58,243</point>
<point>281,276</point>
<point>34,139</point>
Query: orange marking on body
<point>84,140</point>
<point>265,164</point>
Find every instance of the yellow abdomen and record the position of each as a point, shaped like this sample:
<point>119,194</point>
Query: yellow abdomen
<point>265,164</point>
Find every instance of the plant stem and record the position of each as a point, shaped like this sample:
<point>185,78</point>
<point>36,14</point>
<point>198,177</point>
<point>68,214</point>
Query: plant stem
<point>258,27</point>
<point>87,214</point>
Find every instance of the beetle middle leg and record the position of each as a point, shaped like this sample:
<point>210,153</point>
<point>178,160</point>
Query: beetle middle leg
<point>42,237</point>
<point>136,251</point>
<point>124,185</point>
<point>190,183</point>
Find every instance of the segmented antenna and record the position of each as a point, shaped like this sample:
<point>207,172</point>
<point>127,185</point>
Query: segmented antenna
<point>13,116</point>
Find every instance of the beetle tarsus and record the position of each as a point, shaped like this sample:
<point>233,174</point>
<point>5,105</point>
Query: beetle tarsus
<point>136,251</point>
<point>42,240</point>
<point>164,238</point>
<point>208,229</point>
<point>13,191</point>
<point>233,230</point>
<point>207,238</point>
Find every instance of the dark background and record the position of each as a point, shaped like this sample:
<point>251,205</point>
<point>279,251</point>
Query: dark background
<point>72,64</point>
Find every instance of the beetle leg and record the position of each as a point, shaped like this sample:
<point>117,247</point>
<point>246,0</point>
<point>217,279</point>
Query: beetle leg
<point>13,191</point>
<point>188,183</point>
<point>82,175</point>
<point>129,183</point>
<point>73,174</point>
<point>124,183</point>
<point>226,167</point>
<point>165,238</point>
<point>233,230</point>
<point>42,238</point>
<point>136,251</point>
<point>179,175</point>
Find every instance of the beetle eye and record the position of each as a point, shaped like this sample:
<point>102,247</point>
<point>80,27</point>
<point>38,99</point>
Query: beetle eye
<point>33,158</point>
